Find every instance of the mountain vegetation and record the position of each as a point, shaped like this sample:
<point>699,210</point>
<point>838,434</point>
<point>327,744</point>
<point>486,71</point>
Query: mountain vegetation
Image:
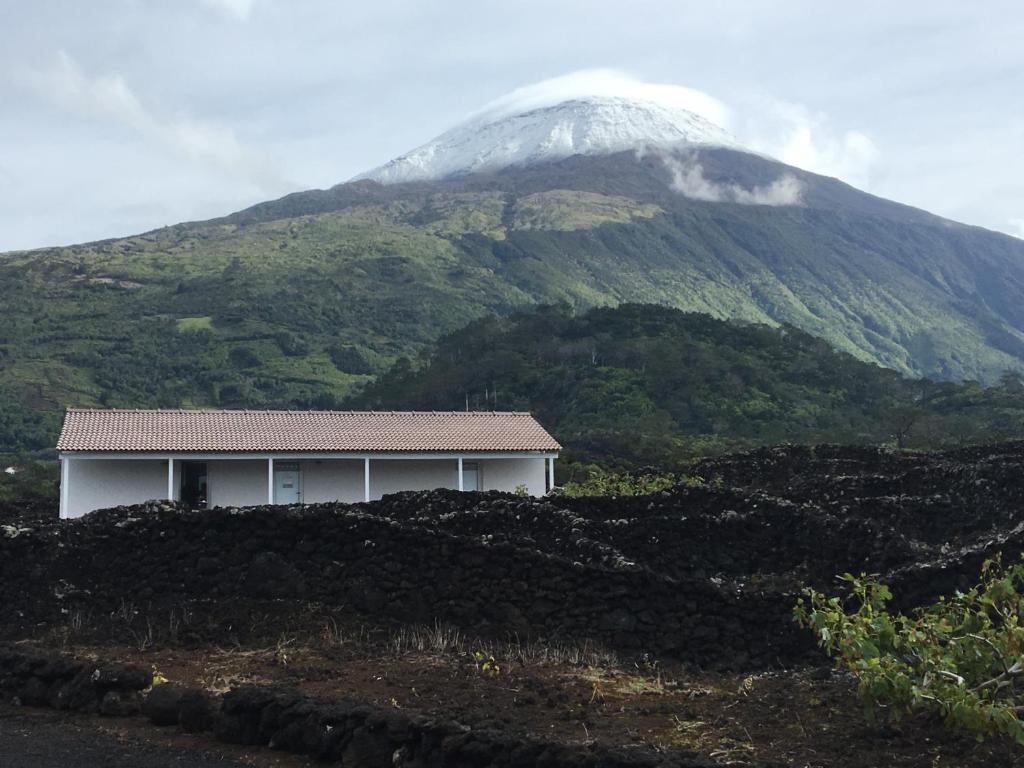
<point>301,302</point>
<point>649,385</point>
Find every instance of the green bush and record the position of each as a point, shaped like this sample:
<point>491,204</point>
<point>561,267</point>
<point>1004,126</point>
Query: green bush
<point>601,483</point>
<point>33,480</point>
<point>350,359</point>
<point>961,659</point>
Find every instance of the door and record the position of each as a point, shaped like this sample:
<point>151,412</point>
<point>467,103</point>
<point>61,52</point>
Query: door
<point>287,483</point>
<point>470,476</point>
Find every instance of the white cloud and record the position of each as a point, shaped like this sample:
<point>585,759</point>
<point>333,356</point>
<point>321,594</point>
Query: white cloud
<point>605,83</point>
<point>806,139</point>
<point>1016,228</point>
<point>688,179</point>
<point>784,130</point>
<point>109,98</point>
<point>238,9</point>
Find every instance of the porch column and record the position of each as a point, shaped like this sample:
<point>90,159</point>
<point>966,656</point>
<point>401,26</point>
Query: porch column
<point>460,473</point>
<point>65,482</point>
<point>551,474</point>
<point>270,480</point>
<point>366,479</point>
<point>170,479</point>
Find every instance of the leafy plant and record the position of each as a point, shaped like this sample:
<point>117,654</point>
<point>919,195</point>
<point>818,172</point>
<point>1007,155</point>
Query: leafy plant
<point>601,483</point>
<point>486,664</point>
<point>961,659</point>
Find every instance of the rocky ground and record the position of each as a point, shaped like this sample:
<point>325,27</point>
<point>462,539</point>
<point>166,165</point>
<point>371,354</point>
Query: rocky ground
<point>38,738</point>
<point>659,624</point>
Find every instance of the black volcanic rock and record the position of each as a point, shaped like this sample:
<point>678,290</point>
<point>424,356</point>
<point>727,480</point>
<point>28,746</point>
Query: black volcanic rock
<point>707,573</point>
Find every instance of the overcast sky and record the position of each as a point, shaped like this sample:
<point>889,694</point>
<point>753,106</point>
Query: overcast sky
<point>118,116</point>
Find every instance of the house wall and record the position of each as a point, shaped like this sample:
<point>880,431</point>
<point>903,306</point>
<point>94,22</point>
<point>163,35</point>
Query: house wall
<point>394,475</point>
<point>237,482</point>
<point>101,483</point>
<point>332,480</point>
<point>506,474</point>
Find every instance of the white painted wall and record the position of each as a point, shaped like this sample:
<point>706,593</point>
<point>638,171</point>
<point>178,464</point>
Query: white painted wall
<point>506,474</point>
<point>236,482</point>
<point>102,483</point>
<point>332,480</point>
<point>394,475</point>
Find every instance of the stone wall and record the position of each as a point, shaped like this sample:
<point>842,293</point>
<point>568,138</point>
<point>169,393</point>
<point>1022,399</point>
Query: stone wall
<point>554,583</point>
<point>354,733</point>
<point>707,574</point>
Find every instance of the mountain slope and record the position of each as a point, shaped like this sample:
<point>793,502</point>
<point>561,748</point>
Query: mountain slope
<point>883,281</point>
<point>299,301</point>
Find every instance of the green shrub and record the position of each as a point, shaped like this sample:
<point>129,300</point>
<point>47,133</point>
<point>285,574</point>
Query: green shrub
<point>292,345</point>
<point>349,358</point>
<point>600,483</point>
<point>961,659</point>
<point>33,480</point>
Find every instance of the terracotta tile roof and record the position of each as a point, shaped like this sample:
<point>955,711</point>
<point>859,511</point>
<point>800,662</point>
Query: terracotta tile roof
<point>300,431</point>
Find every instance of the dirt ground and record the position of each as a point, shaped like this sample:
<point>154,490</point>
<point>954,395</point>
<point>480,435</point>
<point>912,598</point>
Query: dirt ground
<point>43,738</point>
<point>806,717</point>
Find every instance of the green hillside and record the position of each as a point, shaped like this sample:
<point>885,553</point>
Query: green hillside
<point>652,385</point>
<point>300,302</point>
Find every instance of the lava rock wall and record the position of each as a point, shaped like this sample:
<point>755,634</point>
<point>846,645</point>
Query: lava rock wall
<point>704,573</point>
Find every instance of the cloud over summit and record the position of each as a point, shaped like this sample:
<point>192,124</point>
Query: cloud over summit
<point>789,132</point>
<point>605,83</point>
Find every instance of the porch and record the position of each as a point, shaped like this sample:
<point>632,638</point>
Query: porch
<point>94,481</point>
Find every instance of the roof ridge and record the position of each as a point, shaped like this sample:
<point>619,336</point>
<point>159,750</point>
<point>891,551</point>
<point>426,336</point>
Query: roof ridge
<point>453,412</point>
<point>241,430</point>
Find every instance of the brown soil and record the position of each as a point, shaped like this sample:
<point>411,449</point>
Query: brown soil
<point>805,718</point>
<point>44,738</point>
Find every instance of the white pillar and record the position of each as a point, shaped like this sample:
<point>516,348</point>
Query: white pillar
<point>170,479</point>
<point>460,473</point>
<point>65,484</point>
<point>551,474</point>
<point>270,480</point>
<point>366,479</point>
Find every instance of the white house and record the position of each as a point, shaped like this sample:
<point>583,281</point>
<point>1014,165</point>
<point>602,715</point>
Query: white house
<point>240,458</point>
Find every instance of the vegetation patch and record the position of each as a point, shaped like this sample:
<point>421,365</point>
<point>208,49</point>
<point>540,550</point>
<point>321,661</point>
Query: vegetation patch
<point>568,210</point>
<point>640,385</point>
<point>961,659</point>
<point>192,324</point>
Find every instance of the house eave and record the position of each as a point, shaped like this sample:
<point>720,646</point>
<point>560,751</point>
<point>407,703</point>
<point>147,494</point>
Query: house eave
<point>314,455</point>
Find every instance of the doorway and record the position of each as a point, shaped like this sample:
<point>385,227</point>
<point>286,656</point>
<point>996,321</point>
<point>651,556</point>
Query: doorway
<point>194,484</point>
<point>470,476</point>
<point>287,482</point>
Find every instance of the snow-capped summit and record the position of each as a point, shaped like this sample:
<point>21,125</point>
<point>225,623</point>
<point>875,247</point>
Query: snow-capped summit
<point>522,129</point>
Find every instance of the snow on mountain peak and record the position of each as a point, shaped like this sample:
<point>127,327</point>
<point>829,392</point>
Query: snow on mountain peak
<point>589,113</point>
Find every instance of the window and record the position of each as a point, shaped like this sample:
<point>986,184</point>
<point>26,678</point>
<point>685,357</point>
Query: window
<point>470,476</point>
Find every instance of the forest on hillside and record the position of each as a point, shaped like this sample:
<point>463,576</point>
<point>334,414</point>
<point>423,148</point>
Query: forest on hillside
<point>649,385</point>
<point>636,385</point>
